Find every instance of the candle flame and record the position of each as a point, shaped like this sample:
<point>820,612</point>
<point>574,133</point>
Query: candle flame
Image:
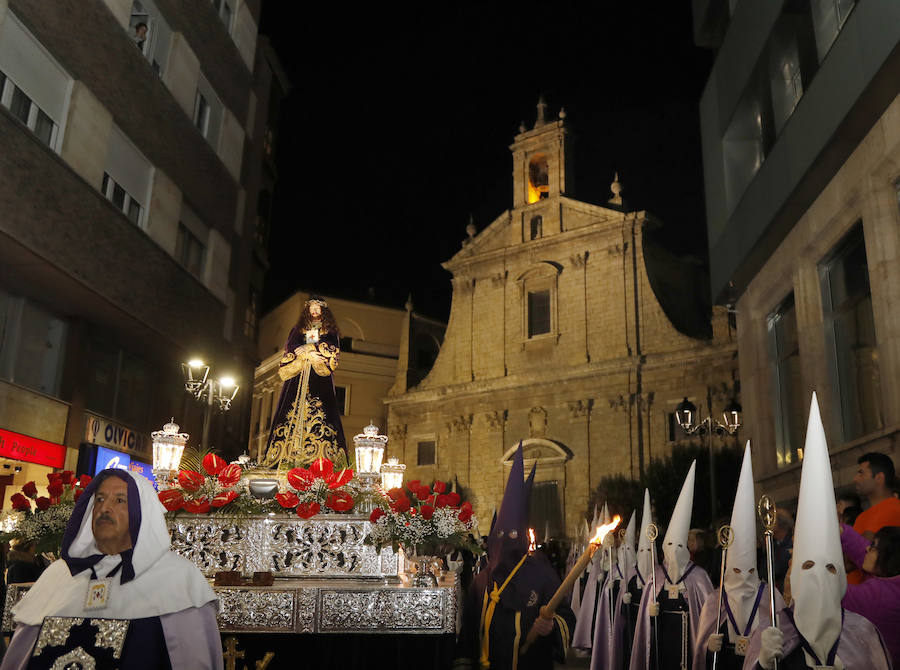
<point>532,545</point>
<point>603,529</point>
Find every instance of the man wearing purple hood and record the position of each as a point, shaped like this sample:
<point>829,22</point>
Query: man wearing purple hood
<point>504,602</point>
<point>118,598</point>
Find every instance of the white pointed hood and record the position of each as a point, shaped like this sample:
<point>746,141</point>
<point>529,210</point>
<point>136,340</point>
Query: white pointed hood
<point>675,549</point>
<point>627,556</point>
<point>644,557</point>
<point>741,580</point>
<point>818,581</point>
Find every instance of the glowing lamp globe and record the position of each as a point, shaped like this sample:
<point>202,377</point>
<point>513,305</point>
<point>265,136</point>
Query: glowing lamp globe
<point>369,450</point>
<point>392,474</point>
<point>168,447</point>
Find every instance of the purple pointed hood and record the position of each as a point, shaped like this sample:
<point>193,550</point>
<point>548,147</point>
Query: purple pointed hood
<point>508,540</point>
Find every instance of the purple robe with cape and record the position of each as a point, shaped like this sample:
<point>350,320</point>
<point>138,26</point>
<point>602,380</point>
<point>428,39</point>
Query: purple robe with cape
<point>860,647</point>
<point>583,636</point>
<point>708,621</point>
<point>606,653</point>
<point>698,587</point>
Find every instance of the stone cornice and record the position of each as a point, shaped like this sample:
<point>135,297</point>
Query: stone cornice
<point>553,376</point>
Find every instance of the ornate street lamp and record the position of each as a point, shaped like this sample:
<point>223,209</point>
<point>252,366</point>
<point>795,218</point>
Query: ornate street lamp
<point>689,420</point>
<point>168,447</point>
<point>220,391</point>
<point>392,474</point>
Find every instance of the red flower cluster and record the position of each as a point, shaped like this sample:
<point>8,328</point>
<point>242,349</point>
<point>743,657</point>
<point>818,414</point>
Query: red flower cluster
<point>302,480</point>
<point>421,499</point>
<point>190,482</point>
<point>58,484</point>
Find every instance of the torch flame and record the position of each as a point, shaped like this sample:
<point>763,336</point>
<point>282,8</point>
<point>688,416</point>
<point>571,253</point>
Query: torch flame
<point>532,545</point>
<point>602,530</point>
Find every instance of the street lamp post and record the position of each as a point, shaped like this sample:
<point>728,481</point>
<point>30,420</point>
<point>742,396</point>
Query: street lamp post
<point>687,417</point>
<point>220,391</point>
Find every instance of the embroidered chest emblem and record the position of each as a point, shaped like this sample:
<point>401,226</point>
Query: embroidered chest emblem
<point>532,599</point>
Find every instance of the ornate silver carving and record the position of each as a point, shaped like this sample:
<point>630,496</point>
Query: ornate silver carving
<point>77,658</point>
<point>326,546</point>
<point>256,608</point>
<point>54,632</point>
<point>14,593</point>
<point>111,634</point>
<point>306,610</point>
<point>394,610</point>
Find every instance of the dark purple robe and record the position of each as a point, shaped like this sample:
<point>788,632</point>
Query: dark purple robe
<point>323,433</point>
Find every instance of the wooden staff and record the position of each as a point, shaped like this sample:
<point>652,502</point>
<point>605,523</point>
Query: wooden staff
<point>548,610</point>
<point>725,539</point>
<point>652,534</point>
<point>767,514</point>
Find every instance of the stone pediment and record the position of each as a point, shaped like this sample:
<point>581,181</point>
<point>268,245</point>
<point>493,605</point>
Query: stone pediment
<point>539,450</point>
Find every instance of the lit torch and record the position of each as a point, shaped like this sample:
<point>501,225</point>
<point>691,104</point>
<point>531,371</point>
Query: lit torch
<point>532,544</point>
<point>548,610</point>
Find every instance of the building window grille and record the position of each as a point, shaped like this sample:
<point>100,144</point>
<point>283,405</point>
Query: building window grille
<point>788,396</point>
<point>545,513</point>
<point>26,110</point>
<point>122,200</point>
<point>850,337</point>
<point>425,453</point>
<point>190,251</point>
<point>538,313</point>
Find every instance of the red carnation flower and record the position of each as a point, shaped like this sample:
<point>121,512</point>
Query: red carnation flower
<point>308,509</point>
<point>321,467</point>
<point>77,494</point>
<point>200,506</point>
<point>400,505</point>
<point>414,484</point>
<point>42,503</point>
<point>466,507</point>
<point>465,515</point>
<point>54,477</point>
<point>340,501</point>
<point>30,489</point>
<point>427,512</point>
<point>439,487</point>
<point>68,477</point>
<point>453,499</point>
<point>84,480</point>
<point>20,502</point>
<point>288,500</point>
<point>190,481</point>
<point>213,464</point>
<point>442,500</point>
<point>376,514</point>
<point>396,493</point>
<point>171,499</point>
<point>55,488</point>
<point>300,479</point>
<point>223,498</point>
<point>230,475</point>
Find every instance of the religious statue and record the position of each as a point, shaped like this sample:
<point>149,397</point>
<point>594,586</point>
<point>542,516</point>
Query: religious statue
<point>307,421</point>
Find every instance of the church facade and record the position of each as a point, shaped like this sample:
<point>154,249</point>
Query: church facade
<point>556,337</point>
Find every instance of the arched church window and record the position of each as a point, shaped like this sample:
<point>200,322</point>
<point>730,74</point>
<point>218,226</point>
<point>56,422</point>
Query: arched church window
<point>538,179</point>
<point>537,223</point>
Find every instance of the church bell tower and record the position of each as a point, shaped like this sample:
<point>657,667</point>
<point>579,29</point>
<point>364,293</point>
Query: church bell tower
<point>542,171</point>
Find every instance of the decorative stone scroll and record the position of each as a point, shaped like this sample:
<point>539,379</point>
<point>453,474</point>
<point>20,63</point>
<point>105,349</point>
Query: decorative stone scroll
<point>324,546</point>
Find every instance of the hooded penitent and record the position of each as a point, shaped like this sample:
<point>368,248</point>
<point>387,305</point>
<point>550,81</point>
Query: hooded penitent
<point>508,540</point>
<point>818,580</point>
<point>741,580</point>
<point>151,587</point>
<point>627,558</point>
<point>645,557</point>
<point>675,548</point>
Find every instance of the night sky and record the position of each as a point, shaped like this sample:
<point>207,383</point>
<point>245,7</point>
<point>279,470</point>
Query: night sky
<point>398,128</point>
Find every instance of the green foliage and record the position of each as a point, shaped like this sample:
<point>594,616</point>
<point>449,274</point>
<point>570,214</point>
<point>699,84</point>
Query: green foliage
<point>664,478</point>
<point>192,458</point>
